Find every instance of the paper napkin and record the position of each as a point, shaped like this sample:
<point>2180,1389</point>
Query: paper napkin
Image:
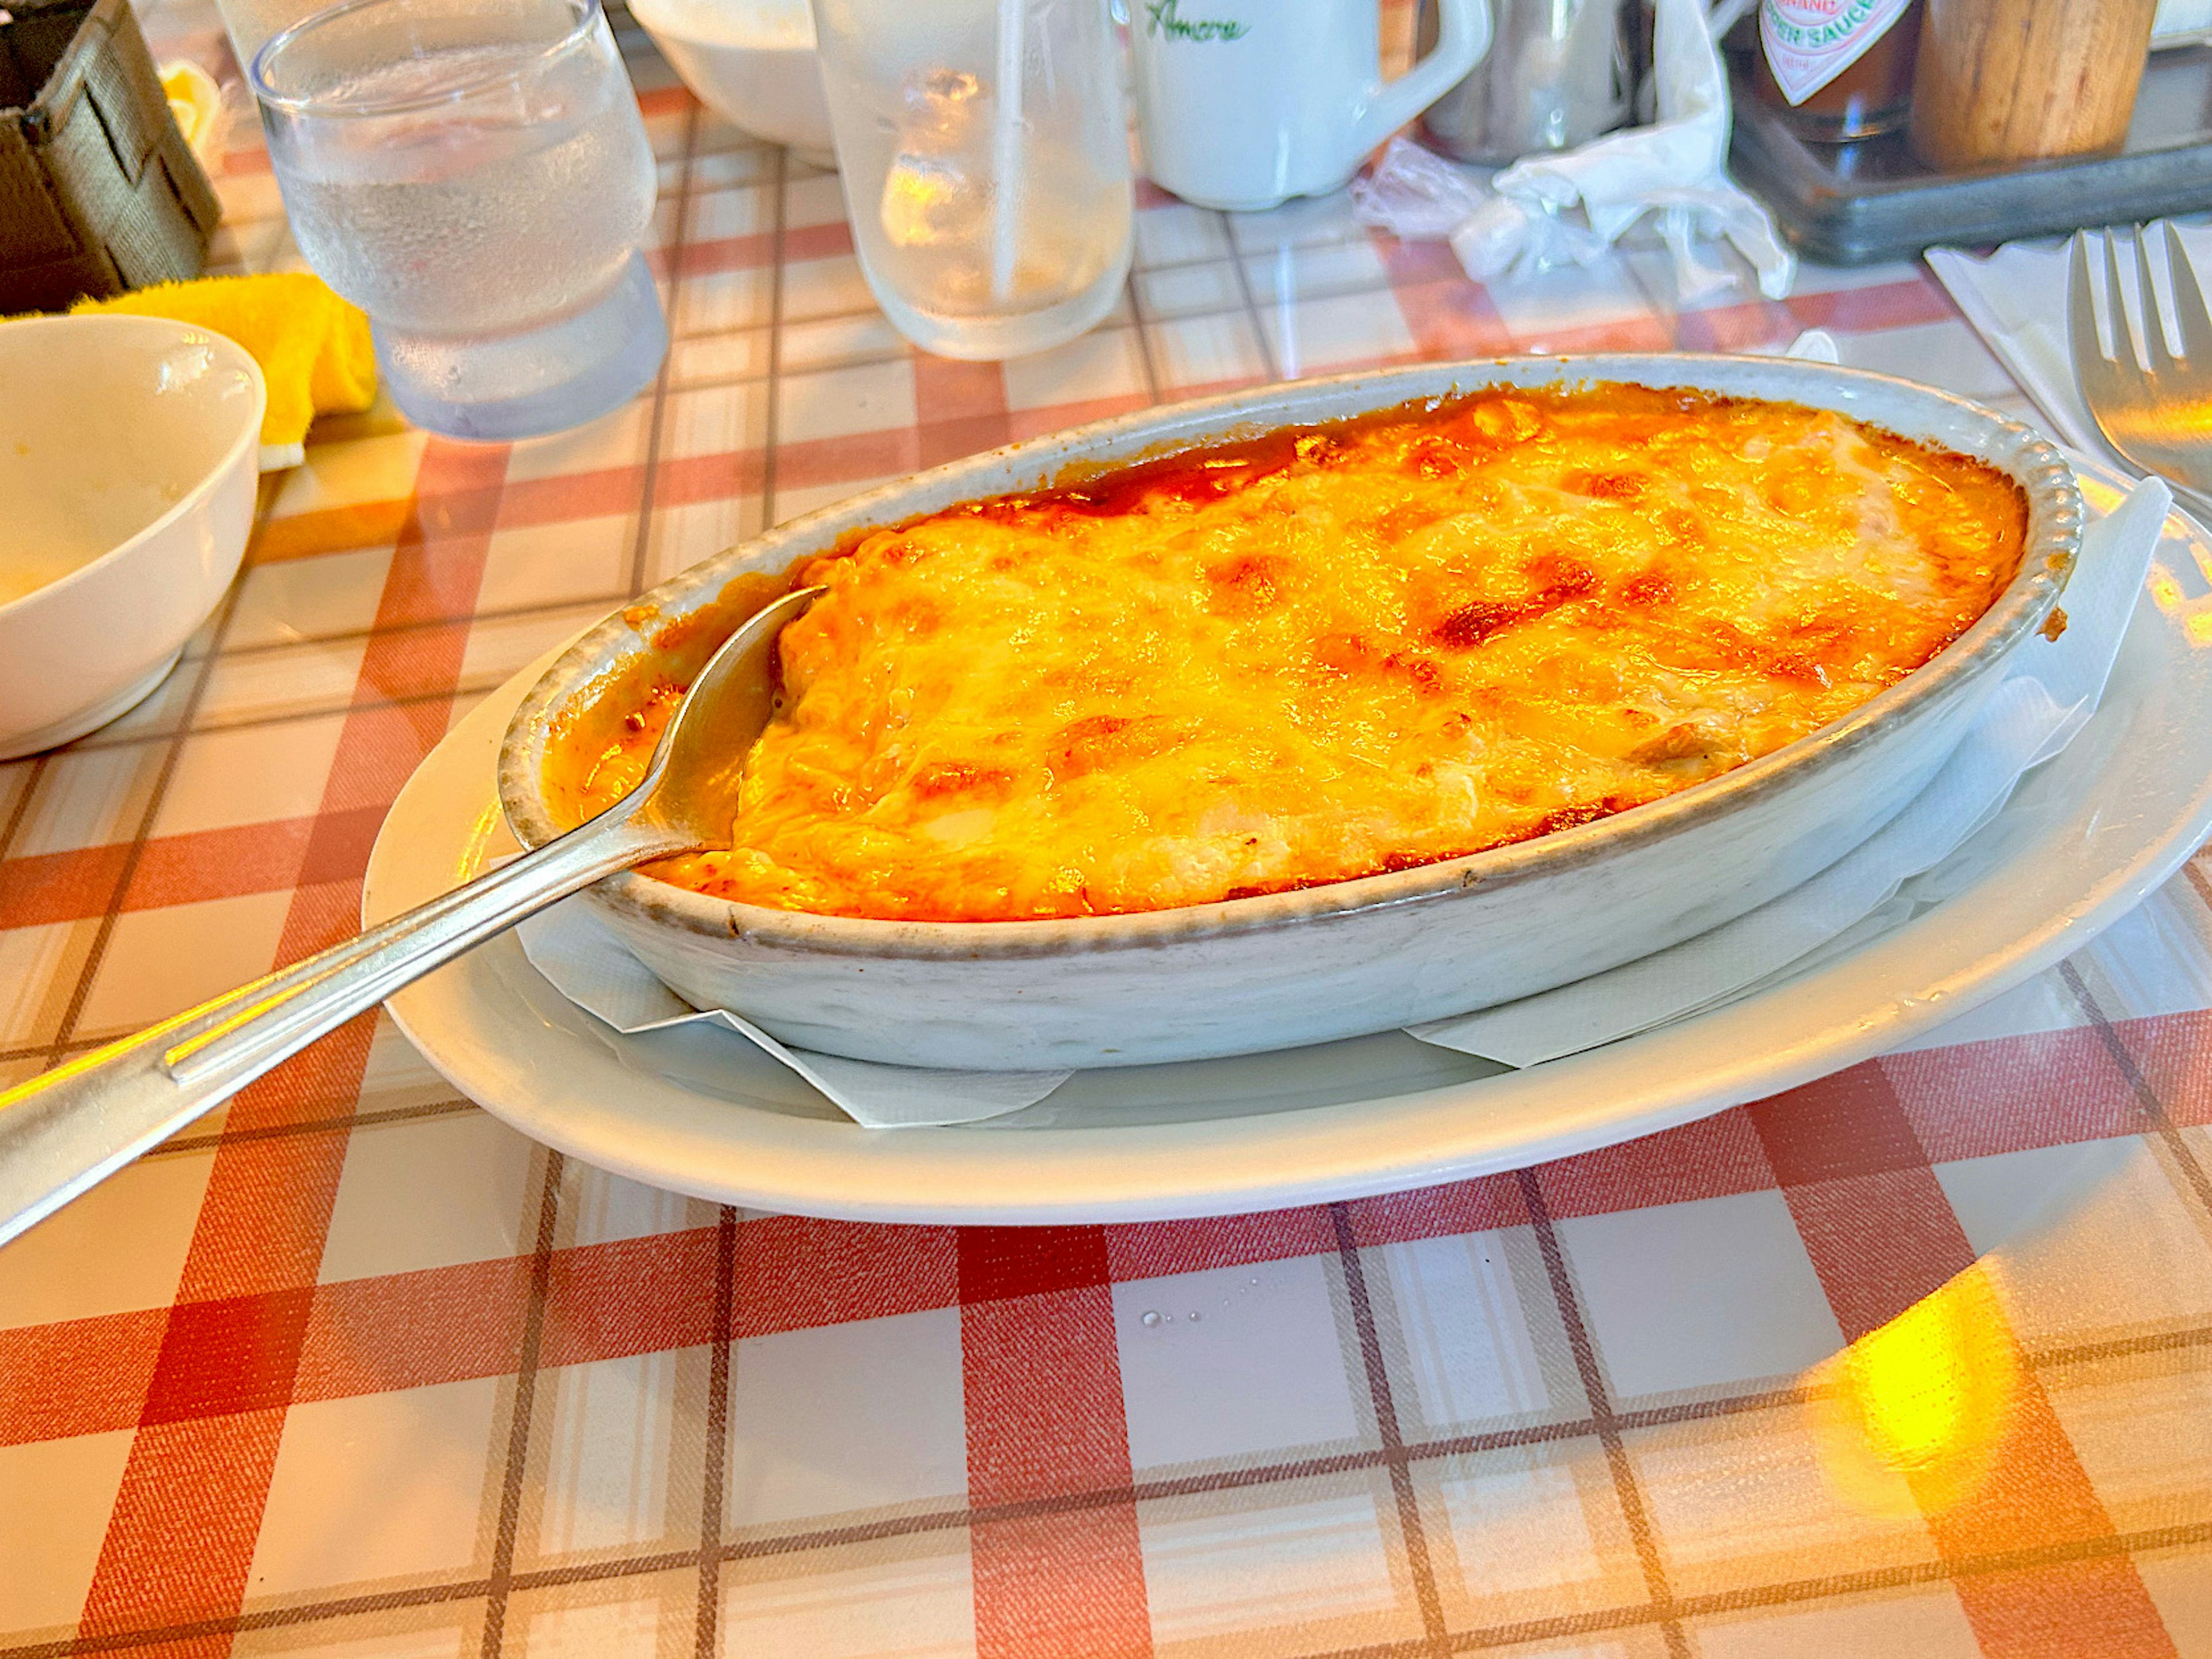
<point>584,962</point>
<point>2046,697</point>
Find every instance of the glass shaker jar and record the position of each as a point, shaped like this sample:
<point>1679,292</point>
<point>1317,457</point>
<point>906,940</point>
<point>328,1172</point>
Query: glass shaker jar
<point>1838,70</point>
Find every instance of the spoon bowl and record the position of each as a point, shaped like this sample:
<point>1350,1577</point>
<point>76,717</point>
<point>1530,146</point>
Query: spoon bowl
<point>688,788</point>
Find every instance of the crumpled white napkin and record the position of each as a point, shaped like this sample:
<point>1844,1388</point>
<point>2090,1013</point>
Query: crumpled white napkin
<point>2016,298</point>
<point>1570,208</point>
<point>584,960</point>
<point>2047,695</point>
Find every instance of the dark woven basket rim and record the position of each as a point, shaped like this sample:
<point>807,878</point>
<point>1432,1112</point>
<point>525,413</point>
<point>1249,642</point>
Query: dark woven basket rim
<point>98,191</point>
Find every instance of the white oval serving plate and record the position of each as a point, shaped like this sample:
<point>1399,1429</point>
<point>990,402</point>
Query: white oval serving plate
<point>2084,840</point>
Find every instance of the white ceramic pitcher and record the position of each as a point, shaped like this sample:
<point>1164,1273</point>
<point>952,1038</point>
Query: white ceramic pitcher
<point>1244,103</point>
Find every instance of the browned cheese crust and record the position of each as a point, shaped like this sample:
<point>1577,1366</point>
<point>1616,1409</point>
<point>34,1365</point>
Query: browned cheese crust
<point>1331,652</point>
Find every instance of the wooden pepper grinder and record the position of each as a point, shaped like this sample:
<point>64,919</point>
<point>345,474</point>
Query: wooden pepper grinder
<point>2020,80</point>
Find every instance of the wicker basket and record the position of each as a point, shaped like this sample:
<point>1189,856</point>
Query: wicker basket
<point>98,190</point>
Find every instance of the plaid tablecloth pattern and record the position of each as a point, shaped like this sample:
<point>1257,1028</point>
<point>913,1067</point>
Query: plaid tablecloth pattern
<point>1914,1360</point>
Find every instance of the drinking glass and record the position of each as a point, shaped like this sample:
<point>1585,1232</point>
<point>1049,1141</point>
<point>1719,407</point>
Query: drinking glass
<point>986,165</point>
<point>474,175</point>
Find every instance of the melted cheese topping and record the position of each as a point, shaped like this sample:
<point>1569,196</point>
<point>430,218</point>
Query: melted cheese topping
<point>1336,652</point>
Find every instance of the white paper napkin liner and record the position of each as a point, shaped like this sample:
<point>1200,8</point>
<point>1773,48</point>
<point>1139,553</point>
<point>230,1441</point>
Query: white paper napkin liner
<point>2047,697</point>
<point>1813,345</point>
<point>580,956</point>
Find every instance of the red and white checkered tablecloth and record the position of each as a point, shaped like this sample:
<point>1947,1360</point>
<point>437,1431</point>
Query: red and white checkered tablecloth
<point>1916,1360</point>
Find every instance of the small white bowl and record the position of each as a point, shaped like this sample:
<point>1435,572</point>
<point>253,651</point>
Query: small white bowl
<point>129,451</point>
<point>751,62</point>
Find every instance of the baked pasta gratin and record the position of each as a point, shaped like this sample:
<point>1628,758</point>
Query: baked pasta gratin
<point>1332,652</point>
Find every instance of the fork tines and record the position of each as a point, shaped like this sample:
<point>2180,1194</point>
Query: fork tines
<point>2188,307</point>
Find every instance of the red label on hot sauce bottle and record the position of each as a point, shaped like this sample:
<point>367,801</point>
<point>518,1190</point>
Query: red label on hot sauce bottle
<point>1843,67</point>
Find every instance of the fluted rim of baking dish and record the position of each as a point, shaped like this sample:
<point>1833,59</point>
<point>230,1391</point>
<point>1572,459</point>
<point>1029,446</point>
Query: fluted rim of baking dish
<point>2053,544</point>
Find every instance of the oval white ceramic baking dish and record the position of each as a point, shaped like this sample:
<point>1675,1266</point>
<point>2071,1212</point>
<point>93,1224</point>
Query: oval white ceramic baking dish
<point>1353,956</point>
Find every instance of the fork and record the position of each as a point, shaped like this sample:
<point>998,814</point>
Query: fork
<point>2159,418</point>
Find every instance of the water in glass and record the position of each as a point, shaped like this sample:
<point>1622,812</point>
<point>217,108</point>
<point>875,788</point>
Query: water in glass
<point>478,183</point>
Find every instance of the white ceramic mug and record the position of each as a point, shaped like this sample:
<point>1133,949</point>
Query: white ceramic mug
<point>1244,103</point>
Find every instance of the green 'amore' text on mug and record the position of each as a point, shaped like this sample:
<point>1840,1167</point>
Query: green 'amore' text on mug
<point>1162,19</point>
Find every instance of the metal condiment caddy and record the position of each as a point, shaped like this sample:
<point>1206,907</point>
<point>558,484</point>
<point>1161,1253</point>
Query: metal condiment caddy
<point>1855,203</point>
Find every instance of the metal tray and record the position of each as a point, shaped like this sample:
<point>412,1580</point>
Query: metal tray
<point>1854,204</point>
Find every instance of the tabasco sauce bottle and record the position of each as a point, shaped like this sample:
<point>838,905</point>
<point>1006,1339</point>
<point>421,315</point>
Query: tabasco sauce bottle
<point>1839,69</point>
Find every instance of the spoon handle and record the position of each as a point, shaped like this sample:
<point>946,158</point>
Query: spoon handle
<point>69,1127</point>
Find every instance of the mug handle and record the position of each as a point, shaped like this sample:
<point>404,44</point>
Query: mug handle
<point>1462,36</point>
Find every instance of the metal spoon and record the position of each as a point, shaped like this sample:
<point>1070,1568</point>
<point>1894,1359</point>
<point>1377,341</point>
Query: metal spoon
<point>80,1123</point>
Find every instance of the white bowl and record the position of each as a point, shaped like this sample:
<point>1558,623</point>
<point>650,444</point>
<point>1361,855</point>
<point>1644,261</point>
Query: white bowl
<point>129,451</point>
<point>751,62</point>
<point>1307,966</point>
